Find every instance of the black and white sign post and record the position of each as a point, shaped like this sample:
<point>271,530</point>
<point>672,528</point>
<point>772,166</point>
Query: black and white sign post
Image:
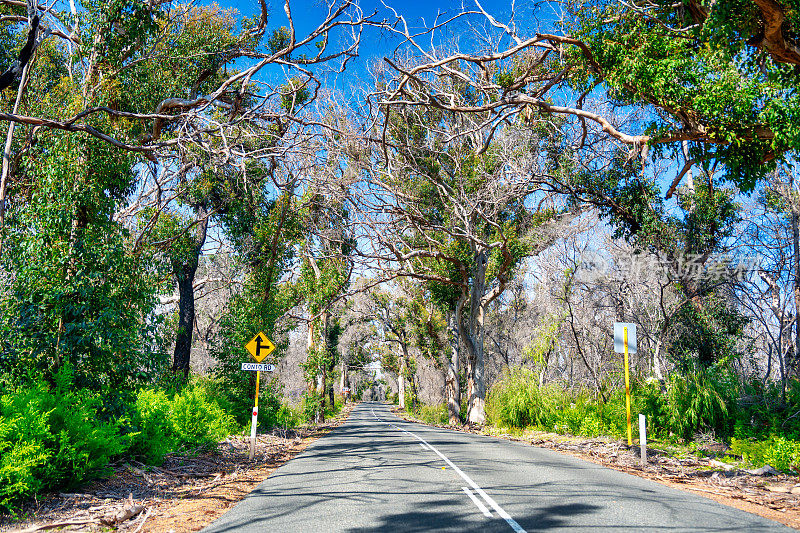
<point>259,347</point>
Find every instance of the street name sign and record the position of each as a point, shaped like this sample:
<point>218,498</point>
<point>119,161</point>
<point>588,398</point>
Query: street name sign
<point>262,367</point>
<point>260,346</point>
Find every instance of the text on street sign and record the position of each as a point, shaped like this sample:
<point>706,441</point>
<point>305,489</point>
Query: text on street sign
<point>258,366</point>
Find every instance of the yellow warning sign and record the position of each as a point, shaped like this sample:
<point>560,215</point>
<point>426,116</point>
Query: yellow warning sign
<point>260,347</point>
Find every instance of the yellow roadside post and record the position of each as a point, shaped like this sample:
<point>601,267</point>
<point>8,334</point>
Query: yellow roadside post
<point>259,347</point>
<point>625,342</point>
<point>627,386</point>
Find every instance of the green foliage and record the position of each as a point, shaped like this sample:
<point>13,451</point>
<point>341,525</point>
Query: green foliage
<point>77,295</point>
<point>517,401</point>
<point>197,419</point>
<point>151,436</point>
<point>311,405</point>
<point>779,452</point>
<point>706,76</point>
<point>699,400</point>
<point>432,414</point>
<point>53,436</point>
<point>783,454</point>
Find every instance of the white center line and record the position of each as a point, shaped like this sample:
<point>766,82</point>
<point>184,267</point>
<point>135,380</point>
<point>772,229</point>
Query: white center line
<point>493,504</point>
<point>477,502</point>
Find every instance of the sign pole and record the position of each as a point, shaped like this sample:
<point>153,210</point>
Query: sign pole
<point>259,347</point>
<point>627,387</point>
<point>255,420</point>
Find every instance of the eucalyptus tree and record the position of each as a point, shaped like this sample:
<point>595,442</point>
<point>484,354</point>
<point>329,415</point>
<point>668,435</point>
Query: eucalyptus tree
<point>458,214</point>
<point>325,272</point>
<point>710,85</point>
<point>108,89</point>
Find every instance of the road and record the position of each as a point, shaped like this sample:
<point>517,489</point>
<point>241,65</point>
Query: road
<point>376,472</point>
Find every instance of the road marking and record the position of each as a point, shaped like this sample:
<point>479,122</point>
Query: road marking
<point>493,504</point>
<point>423,446</point>
<point>477,502</point>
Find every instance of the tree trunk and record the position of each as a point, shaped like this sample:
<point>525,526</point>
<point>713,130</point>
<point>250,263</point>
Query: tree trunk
<point>796,250</point>
<point>452,386</point>
<point>472,336</point>
<point>401,377</point>
<point>185,272</point>
<point>186,314</point>
<point>323,370</point>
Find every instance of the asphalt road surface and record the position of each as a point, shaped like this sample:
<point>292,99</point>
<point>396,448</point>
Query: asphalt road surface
<point>379,473</point>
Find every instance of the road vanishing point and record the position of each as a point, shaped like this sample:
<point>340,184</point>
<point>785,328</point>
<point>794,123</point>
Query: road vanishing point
<point>377,472</point>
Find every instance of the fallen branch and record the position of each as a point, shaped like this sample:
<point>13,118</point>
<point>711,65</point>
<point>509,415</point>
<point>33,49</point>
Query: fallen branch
<point>58,525</point>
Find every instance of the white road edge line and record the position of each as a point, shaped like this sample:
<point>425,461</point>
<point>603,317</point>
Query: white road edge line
<point>423,446</point>
<point>477,502</point>
<point>493,504</point>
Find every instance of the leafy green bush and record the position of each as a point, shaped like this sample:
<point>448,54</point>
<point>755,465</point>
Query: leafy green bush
<point>197,419</point>
<point>695,401</point>
<point>309,406</point>
<point>432,414</point>
<point>335,409</point>
<point>151,434</point>
<point>287,417</point>
<point>778,452</point>
<point>592,426</point>
<point>516,401</point>
<point>783,454</point>
<point>53,437</point>
<point>699,400</point>
<point>191,418</point>
<point>751,451</point>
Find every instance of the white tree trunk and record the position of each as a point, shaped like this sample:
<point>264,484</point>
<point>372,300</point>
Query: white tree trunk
<point>401,380</point>
<point>452,385</point>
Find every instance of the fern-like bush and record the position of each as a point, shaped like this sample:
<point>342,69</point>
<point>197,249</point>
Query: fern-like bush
<point>699,400</point>
<point>51,437</point>
<point>432,414</point>
<point>197,419</point>
<point>151,436</point>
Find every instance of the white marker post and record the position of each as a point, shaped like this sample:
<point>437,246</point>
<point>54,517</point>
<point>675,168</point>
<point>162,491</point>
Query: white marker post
<point>643,438</point>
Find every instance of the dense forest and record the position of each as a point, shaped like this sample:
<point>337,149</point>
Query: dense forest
<point>460,217</point>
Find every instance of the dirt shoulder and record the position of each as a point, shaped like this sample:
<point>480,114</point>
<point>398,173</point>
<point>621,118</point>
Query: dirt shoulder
<point>186,493</point>
<point>776,497</point>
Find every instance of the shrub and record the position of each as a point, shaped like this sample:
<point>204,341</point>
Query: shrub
<point>432,414</point>
<point>151,434</point>
<point>287,417</point>
<point>310,406</point>
<point>778,452</point>
<point>591,426</point>
<point>53,437</point>
<point>197,419</point>
<point>783,454</point>
<point>333,410</point>
<point>24,453</point>
<point>516,401</point>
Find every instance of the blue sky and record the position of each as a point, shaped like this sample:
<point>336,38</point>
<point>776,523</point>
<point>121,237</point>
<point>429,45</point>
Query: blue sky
<point>417,13</point>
